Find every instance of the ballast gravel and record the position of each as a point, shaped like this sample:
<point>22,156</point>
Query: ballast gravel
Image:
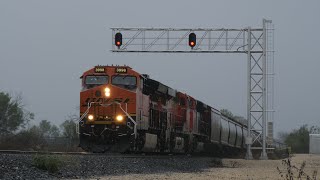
<point>19,166</point>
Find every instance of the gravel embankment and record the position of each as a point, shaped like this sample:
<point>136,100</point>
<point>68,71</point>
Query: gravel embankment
<point>19,166</point>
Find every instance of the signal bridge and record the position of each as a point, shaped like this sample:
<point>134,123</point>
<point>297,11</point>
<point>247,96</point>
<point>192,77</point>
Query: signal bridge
<point>256,43</point>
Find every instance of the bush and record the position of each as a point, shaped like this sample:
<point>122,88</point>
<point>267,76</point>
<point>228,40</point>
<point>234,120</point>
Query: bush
<point>24,140</point>
<point>47,162</point>
<point>298,140</point>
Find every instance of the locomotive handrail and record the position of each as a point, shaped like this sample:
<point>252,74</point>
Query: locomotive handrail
<point>131,119</point>
<point>81,118</point>
<point>83,115</point>
<point>86,112</point>
<point>105,105</point>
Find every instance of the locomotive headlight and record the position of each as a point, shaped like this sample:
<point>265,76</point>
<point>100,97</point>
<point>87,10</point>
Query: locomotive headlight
<point>107,92</point>
<point>119,118</point>
<point>90,117</point>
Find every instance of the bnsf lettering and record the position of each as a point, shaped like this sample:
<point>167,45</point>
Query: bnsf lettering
<point>105,100</point>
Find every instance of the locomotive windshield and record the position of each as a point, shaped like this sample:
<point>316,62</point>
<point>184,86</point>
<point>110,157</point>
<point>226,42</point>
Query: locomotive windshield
<point>92,81</point>
<point>129,82</point>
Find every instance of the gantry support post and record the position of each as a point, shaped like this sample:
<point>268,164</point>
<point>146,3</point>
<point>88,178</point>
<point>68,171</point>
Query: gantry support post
<point>264,101</point>
<point>249,137</point>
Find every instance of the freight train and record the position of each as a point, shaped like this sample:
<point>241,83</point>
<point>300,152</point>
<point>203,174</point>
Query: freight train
<point>122,110</point>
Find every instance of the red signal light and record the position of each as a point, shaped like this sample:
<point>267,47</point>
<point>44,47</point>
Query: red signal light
<point>192,40</point>
<point>118,39</point>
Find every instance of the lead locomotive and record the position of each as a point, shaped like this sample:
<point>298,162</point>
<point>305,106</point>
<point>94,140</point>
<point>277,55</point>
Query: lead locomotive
<point>122,110</point>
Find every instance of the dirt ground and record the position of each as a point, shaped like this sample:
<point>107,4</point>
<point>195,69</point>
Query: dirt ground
<point>237,169</point>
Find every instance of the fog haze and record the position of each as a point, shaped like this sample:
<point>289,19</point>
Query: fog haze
<point>45,46</point>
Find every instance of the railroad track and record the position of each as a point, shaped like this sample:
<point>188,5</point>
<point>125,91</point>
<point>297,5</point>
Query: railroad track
<point>115,155</point>
<point>42,152</point>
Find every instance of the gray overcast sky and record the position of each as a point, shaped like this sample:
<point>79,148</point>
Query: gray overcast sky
<point>45,46</point>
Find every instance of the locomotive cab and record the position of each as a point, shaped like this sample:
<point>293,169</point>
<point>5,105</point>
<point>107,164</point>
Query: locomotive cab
<point>107,106</point>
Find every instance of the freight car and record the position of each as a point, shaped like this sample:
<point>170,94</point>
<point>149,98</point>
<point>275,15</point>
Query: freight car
<point>123,110</point>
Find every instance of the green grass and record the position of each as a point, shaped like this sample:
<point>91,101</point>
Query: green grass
<point>49,163</point>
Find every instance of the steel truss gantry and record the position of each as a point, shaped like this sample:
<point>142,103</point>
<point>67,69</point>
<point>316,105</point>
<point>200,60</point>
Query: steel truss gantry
<point>257,43</point>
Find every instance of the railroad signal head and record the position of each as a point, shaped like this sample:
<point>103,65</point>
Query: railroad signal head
<point>118,39</point>
<point>192,39</point>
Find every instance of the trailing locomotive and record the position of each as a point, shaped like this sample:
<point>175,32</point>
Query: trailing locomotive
<point>122,110</point>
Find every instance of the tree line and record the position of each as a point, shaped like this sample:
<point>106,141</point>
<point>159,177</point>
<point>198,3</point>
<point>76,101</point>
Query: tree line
<point>16,133</point>
<point>297,139</point>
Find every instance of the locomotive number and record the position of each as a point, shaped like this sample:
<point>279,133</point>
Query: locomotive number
<point>99,70</point>
<point>121,70</point>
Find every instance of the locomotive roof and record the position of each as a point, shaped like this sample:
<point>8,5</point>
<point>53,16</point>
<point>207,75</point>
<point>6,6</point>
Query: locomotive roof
<point>93,70</point>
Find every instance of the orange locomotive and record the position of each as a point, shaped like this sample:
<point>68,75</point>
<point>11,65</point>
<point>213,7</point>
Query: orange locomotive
<point>107,106</point>
<point>122,110</point>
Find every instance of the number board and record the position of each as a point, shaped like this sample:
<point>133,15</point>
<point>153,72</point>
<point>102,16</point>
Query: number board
<point>99,70</point>
<point>121,70</point>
